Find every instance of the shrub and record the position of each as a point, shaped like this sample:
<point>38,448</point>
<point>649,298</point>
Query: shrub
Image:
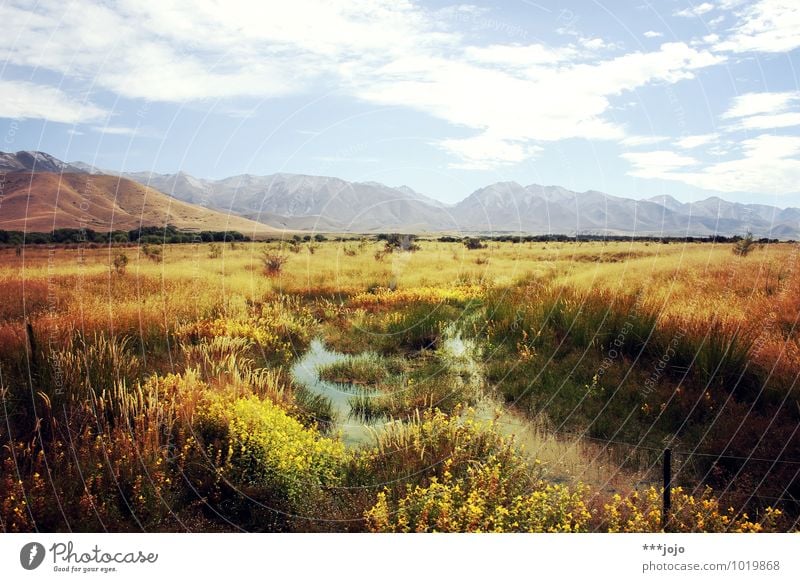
<point>743,246</point>
<point>272,262</point>
<point>473,244</point>
<point>263,447</point>
<point>152,252</point>
<point>486,499</point>
<point>640,512</point>
<point>400,242</point>
<point>120,263</point>
<point>214,251</point>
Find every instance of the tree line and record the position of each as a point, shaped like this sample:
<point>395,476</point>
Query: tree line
<point>143,235</point>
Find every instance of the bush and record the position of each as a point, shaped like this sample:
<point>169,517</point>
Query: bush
<point>154,253</point>
<point>120,263</point>
<point>272,263</point>
<point>261,446</point>
<point>743,246</point>
<point>473,244</point>
<point>214,251</point>
<point>401,242</point>
<point>487,499</point>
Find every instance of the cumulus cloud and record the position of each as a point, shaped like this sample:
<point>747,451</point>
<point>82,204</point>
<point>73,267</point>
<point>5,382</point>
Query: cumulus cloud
<point>657,164</point>
<point>25,100</point>
<point>513,96</point>
<point>694,141</point>
<point>484,152</point>
<point>768,164</point>
<point>763,110</point>
<point>771,26</point>
<point>760,103</point>
<point>695,10</point>
<point>642,140</point>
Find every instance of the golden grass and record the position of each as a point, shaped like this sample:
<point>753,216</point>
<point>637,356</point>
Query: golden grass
<point>216,316</point>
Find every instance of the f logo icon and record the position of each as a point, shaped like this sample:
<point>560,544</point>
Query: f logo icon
<point>31,555</point>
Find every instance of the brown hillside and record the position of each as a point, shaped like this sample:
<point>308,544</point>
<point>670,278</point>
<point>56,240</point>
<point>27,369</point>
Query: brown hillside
<point>40,202</point>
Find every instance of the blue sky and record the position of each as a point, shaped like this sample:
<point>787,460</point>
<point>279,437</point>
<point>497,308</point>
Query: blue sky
<point>632,98</point>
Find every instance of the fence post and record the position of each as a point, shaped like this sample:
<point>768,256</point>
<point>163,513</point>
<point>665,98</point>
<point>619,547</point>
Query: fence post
<point>32,363</point>
<point>667,486</point>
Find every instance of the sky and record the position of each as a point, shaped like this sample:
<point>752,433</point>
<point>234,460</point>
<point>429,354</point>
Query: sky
<point>633,98</point>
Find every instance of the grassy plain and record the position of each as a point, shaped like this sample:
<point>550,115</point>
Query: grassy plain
<point>157,394</point>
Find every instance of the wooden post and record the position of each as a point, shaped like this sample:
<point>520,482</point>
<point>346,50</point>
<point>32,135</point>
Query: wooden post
<point>667,487</point>
<point>31,346</point>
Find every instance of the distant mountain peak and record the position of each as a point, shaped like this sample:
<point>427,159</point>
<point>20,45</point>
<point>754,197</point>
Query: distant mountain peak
<point>303,201</point>
<point>34,161</point>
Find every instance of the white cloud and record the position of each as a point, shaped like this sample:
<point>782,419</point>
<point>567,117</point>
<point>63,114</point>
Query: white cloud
<point>379,51</point>
<point>763,111</point>
<point>543,104</point>
<point>484,152</point>
<point>515,55</point>
<point>127,131</point>
<point>770,121</point>
<point>765,26</point>
<point>25,100</point>
<point>653,34</point>
<point>657,164</point>
<point>695,10</point>
<point>768,164</point>
<point>640,140</point>
<point>593,43</point>
<point>693,141</point>
<point>760,103</point>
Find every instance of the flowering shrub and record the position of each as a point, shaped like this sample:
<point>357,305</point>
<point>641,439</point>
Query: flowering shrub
<point>641,512</point>
<point>259,445</point>
<point>486,499</point>
<point>703,513</point>
<point>632,513</point>
<point>483,502</point>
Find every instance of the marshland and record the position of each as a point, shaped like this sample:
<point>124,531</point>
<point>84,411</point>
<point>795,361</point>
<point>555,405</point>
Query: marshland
<point>368,385</point>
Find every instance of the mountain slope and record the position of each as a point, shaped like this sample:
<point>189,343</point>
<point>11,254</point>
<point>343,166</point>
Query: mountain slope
<point>43,201</point>
<point>299,201</point>
<point>302,202</point>
<point>26,161</point>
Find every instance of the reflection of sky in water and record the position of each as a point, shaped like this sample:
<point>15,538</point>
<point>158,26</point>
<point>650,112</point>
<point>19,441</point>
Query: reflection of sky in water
<point>306,372</point>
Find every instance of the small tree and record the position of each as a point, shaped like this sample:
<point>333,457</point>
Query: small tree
<point>214,251</point>
<point>120,263</point>
<point>743,246</point>
<point>401,242</point>
<point>473,244</point>
<point>272,262</point>
<point>152,252</point>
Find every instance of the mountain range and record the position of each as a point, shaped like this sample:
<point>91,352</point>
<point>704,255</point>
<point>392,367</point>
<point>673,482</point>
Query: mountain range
<point>327,204</point>
<point>39,193</point>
